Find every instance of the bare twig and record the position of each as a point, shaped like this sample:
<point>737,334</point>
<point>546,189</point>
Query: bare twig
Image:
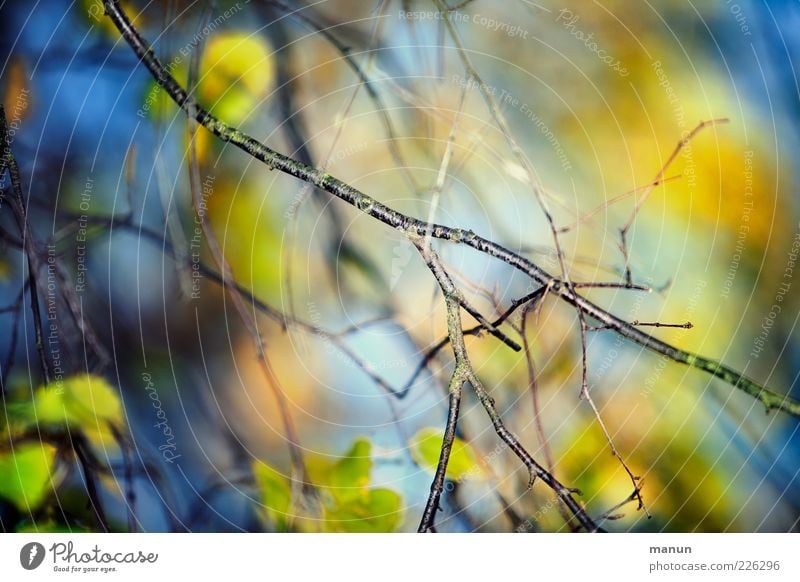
<point>686,325</point>
<point>597,209</point>
<point>659,178</point>
<point>539,195</point>
<point>502,124</point>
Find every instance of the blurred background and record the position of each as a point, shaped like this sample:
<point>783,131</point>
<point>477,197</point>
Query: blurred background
<point>202,425</point>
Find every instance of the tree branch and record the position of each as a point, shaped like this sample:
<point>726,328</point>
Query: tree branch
<point>407,224</point>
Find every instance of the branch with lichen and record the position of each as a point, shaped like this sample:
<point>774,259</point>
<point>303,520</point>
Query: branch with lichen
<point>410,225</point>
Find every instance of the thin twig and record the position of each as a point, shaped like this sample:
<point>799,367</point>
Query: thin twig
<point>623,232</point>
<point>594,211</point>
<point>686,325</point>
<point>505,130</point>
<point>586,395</point>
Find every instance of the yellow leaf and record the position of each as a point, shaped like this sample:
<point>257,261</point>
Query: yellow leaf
<point>89,400</point>
<point>244,227</point>
<point>83,401</point>
<point>235,73</point>
<point>426,446</point>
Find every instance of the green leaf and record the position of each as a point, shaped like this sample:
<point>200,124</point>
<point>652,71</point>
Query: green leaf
<point>26,474</point>
<point>371,511</point>
<point>349,504</point>
<point>353,470</point>
<point>83,401</point>
<point>352,505</point>
<point>426,447</point>
<point>276,493</point>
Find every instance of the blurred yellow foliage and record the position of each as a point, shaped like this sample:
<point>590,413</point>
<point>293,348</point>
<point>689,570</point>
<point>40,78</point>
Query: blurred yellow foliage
<point>83,401</point>
<point>236,72</point>
<point>349,503</point>
<point>243,224</point>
